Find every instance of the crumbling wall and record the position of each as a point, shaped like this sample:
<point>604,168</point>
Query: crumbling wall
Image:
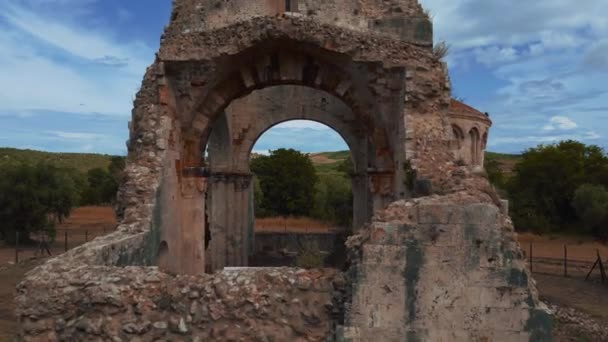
<point>143,304</point>
<point>443,268</point>
<point>401,19</point>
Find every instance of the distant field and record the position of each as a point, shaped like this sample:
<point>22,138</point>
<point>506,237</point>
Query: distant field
<point>323,161</point>
<point>80,161</point>
<point>506,162</point>
<point>329,161</point>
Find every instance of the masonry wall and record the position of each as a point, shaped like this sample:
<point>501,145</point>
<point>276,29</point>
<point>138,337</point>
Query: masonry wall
<point>402,19</point>
<point>143,304</point>
<point>438,270</point>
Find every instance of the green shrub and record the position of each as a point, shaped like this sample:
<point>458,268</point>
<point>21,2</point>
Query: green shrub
<point>591,204</point>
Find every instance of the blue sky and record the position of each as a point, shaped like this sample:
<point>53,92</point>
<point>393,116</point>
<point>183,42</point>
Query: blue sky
<point>70,69</point>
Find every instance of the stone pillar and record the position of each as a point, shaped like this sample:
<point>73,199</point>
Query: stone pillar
<point>182,247</point>
<point>361,213</point>
<point>192,212</point>
<point>230,220</point>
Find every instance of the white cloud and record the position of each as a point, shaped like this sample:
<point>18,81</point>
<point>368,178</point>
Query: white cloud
<point>76,135</point>
<point>302,124</point>
<point>560,123</point>
<point>57,65</point>
<point>540,139</point>
<point>536,62</point>
<point>494,55</point>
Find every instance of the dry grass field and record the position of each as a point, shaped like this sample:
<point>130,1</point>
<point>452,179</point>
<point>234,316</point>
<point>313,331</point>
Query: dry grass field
<point>552,246</point>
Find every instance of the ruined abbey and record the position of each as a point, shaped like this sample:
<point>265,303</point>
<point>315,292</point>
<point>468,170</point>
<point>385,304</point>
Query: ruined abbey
<point>433,254</point>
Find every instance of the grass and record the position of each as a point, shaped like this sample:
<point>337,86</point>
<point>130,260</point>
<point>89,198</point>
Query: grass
<point>82,162</point>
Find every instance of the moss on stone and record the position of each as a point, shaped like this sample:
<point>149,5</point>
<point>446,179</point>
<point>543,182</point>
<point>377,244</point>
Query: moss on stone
<point>540,326</point>
<point>414,260</point>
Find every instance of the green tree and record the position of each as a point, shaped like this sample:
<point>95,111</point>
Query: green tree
<point>258,198</point>
<point>117,167</point>
<point>495,174</point>
<point>346,166</point>
<point>101,189</point>
<point>544,182</point>
<point>591,205</point>
<point>34,198</point>
<point>287,180</point>
<point>334,199</point>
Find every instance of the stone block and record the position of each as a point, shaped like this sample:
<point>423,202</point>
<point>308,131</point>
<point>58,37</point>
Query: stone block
<point>384,255</point>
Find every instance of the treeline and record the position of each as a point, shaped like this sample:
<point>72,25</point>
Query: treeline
<point>34,197</point>
<point>287,184</point>
<point>561,187</point>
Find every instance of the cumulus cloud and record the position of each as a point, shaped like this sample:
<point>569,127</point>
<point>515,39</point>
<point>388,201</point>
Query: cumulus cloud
<point>560,123</point>
<point>527,62</point>
<point>494,55</point>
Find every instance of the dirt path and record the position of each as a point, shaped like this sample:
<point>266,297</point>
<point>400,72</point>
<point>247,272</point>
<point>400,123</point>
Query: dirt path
<point>588,297</point>
<point>9,278</point>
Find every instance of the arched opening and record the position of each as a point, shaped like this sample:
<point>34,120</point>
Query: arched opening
<point>475,146</point>
<point>232,140</point>
<point>303,195</point>
<point>458,137</point>
<point>226,115</point>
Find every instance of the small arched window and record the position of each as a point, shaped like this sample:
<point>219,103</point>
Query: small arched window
<point>458,137</point>
<point>475,146</point>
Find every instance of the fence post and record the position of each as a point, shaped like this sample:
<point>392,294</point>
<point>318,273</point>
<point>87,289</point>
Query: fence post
<point>566,261</point>
<point>601,265</point>
<point>16,248</point>
<point>65,240</point>
<point>531,258</point>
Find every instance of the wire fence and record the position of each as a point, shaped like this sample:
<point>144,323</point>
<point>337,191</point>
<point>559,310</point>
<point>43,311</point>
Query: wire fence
<point>571,261</point>
<point>43,245</point>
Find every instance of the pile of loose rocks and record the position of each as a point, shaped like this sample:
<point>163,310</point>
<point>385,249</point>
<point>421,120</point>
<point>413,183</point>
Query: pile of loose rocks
<point>574,325</point>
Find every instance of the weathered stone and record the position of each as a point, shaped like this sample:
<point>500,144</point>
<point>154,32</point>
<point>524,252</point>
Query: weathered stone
<point>420,270</point>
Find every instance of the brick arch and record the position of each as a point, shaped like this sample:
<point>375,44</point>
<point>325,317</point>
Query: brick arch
<point>263,109</point>
<point>323,72</point>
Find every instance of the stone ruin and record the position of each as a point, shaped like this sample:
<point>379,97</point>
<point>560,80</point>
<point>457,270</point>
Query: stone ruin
<point>433,256</point>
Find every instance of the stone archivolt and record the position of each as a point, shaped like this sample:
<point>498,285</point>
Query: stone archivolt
<point>433,256</point>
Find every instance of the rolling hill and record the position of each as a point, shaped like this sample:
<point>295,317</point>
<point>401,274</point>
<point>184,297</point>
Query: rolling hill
<point>323,161</point>
<point>79,161</point>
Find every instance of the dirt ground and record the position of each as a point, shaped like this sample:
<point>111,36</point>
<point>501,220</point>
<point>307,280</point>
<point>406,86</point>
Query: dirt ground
<point>9,278</point>
<point>552,246</point>
<point>84,224</point>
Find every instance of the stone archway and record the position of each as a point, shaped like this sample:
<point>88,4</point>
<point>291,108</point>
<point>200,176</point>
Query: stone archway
<point>202,105</point>
<point>231,142</point>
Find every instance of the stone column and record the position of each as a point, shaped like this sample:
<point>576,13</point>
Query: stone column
<point>361,213</point>
<point>192,232</point>
<point>230,220</point>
